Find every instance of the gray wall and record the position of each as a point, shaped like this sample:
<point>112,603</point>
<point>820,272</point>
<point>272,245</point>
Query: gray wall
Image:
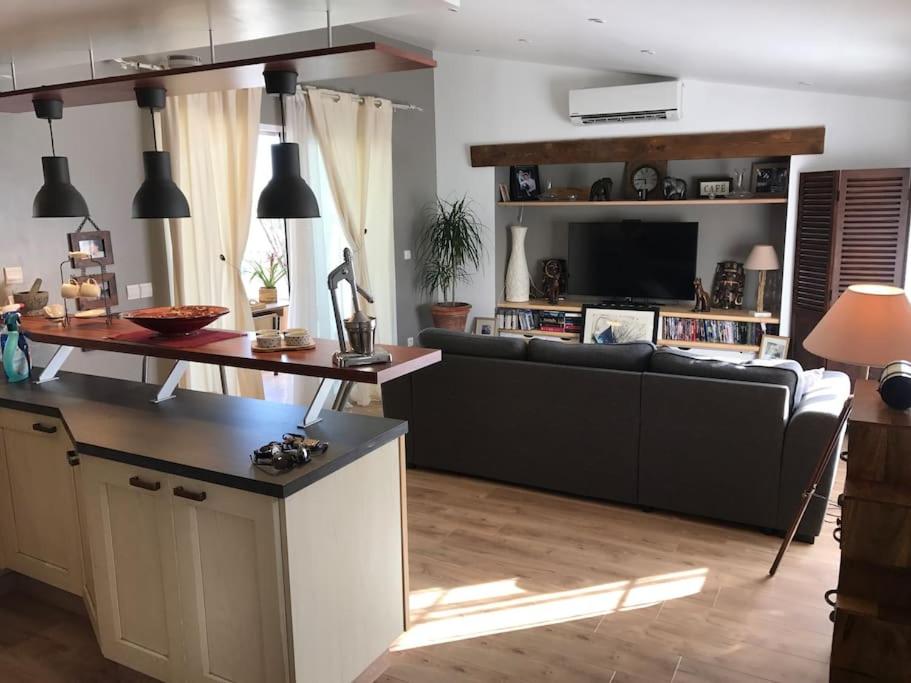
<point>725,232</point>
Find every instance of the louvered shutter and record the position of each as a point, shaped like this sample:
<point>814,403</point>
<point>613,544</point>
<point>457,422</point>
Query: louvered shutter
<point>816,196</point>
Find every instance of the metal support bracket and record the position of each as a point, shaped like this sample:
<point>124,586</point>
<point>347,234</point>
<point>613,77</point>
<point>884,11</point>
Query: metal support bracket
<point>319,401</point>
<point>54,364</point>
<point>170,384</point>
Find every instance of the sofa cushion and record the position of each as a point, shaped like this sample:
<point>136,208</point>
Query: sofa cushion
<point>633,356</point>
<point>786,373</point>
<point>465,344</point>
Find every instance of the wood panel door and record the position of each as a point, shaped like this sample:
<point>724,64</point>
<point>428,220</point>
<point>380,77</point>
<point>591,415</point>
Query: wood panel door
<point>130,528</point>
<point>229,555</point>
<point>39,522</point>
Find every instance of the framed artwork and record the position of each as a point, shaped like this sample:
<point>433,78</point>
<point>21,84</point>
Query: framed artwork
<point>770,179</point>
<point>486,327</point>
<point>96,243</point>
<point>709,188</point>
<point>773,347</point>
<point>108,284</point>
<point>524,183</point>
<point>619,324</point>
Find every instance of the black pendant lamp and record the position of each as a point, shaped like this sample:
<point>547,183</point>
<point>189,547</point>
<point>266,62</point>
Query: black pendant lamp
<point>287,195</point>
<point>57,198</point>
<point>158,196</point>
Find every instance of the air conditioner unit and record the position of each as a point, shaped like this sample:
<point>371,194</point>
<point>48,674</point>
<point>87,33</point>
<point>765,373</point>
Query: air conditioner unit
<point>646,102</point>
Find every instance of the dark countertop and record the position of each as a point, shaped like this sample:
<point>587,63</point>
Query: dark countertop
<point>199,435</point>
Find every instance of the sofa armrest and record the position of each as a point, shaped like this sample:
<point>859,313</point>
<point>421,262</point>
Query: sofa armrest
<point>807,435</point>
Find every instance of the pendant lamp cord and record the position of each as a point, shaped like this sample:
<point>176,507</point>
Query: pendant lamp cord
<point>51,128</point>
<point>281,103</point>
<point>154,131</point>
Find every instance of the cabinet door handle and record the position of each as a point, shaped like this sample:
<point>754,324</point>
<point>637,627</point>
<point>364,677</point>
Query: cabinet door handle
<point>44,429</point>
<point>147,485</point>
<point>72,457</point>
<point>181,492</point>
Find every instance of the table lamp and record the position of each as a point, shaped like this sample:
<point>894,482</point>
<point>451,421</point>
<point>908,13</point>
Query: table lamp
<point>869,326</point>
<point>762,258</point>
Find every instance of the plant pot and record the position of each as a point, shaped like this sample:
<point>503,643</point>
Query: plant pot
<point>451,316</point>
<point>268,295</point>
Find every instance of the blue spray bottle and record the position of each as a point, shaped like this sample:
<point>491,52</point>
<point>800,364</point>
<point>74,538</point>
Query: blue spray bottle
<point>17,363</point>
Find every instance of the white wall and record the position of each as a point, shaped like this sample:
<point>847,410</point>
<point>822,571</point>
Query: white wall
<point>481,100</point>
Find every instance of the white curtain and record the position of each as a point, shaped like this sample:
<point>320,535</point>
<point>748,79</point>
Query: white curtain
<point>355,141</point>
<point>212,139</point>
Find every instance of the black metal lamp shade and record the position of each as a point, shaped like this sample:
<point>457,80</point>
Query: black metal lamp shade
<point>287,195</point>
<point>57,198</point>
<point>159,196</point>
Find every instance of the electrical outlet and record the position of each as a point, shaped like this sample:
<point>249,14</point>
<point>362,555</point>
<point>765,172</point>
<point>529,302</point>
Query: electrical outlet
<point>12,275</point>
<point>133,292</point>
<point>145,290</point>
<point>407,254</point>
<point>410,341</point>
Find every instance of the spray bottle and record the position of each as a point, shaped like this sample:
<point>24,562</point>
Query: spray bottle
<point>17,363</point>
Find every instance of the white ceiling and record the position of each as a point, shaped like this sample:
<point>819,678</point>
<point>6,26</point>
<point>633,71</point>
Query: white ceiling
<point>849,46</point>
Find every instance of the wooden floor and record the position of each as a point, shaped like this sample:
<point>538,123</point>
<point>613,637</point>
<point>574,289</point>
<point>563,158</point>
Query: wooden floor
<point>515,585</point>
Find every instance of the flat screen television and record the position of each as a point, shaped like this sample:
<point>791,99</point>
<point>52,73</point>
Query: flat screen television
<point>632,259</point>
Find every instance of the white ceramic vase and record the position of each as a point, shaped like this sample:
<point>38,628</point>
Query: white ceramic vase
<point>517,275</point>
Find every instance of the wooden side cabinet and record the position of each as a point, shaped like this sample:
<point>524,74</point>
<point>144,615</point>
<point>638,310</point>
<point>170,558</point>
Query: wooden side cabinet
<point>872,637</point>
<point>39,518</point>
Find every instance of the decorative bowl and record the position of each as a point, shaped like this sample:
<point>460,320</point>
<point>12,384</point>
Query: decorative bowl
<point>175,320</point>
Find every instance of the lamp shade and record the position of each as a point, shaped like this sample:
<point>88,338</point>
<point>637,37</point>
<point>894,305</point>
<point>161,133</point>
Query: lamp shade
<point>159,196</point>
<point>869,325</point>
<point>762,257</point>
<point>287,195</point>
<point>57,198</point>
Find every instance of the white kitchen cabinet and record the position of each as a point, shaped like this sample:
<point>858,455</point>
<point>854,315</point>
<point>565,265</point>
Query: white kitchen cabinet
<point>129,522</point>
<point>230,581</point>
<point>39,520</point>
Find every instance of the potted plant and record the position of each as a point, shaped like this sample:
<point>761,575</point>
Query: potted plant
<point>269,274</point>
<point>449,244</point>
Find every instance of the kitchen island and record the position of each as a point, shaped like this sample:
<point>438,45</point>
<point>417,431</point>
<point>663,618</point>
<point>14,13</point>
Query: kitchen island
<point>194,564</point>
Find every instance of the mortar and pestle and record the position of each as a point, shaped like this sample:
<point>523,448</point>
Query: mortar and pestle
<point>33,300</point>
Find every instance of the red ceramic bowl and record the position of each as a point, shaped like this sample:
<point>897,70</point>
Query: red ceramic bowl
<point>175,320</point>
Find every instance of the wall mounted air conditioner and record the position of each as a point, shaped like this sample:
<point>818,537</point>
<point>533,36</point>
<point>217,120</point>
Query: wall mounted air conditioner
<point>646,102</point>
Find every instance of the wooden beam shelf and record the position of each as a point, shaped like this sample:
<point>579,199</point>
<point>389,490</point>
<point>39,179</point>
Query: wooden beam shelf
<point>779,142</point>
<point>651,202</point>
<point>717,346</point>
<point>361,59</point>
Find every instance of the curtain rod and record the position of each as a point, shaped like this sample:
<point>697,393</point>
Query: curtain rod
<point>398,106</point>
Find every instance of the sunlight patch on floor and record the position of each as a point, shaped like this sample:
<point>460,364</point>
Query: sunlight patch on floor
<point>443,615</point>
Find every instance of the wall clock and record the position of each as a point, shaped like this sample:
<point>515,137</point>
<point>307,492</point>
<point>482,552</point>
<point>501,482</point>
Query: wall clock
<point>642,179</point>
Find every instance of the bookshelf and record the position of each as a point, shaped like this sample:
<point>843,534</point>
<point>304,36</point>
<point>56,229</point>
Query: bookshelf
<point>650,202</point>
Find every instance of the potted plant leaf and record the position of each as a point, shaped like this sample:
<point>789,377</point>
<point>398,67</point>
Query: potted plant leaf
<point>269,274</point>
<point>449,245</point>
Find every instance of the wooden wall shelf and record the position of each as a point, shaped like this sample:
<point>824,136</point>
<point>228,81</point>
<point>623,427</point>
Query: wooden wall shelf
<point>779,142</point>
<point>361,59</point>
<point>652,202</point>
<point>575,306</point>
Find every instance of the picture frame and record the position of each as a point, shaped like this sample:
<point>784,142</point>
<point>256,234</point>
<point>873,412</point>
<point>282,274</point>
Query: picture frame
<point>95,242</point>
<point>485,327</point>
<point>717,186</point>
<point>524,183</point>
<point>504,192</point>
<point>770,178</point>
<point>108,283</point>
<point>619,323</point>
<point>773,347</point>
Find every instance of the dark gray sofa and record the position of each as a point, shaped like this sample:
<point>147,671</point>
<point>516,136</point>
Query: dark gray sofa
<point>623,423</point>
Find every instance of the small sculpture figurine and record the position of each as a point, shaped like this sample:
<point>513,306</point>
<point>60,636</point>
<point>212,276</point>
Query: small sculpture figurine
<point>702,297</point>
<point>554,279</point>
<point>674,188</point>
<point>601,190</point>
<point>728,289</point>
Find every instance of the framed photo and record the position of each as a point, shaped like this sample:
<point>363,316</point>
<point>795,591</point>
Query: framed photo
<point>773,347</point>
<point>524,183</point>
<point>714,187</point>
<point>504,192</point>
<point>619,324</point>
<point>486,327</point>
<point>96,243</point>
<point>770,179</point>
<point>108,284</point>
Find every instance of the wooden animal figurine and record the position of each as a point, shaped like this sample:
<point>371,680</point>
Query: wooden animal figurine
<point>601,190</point>
<point>702,297</point>
<point>674,188</point>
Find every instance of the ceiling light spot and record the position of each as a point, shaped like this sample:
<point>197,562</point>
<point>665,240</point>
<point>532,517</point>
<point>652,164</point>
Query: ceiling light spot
<point>596,20</point>
<point>524,41</point>
<point>454,9</point>
<point>647,52</point>
<point>804,84</point>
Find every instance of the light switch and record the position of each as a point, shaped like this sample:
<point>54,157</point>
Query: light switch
<point>133,292</point>
<point>12,275</point>
<point>407,254</point>
<point>145,290</point>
